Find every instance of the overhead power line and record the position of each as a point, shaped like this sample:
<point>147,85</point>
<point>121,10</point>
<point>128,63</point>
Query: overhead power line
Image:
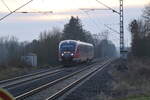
<point>6,5</point>
<point>92,9</point>
<point>108,7</point>
<point>121,14</point>
<point>35,12</point>
<point>15,10</point>
<point>88,15</point>
<point>112,29</point>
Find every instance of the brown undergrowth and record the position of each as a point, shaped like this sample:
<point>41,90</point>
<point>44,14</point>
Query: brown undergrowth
<point>132,78</point>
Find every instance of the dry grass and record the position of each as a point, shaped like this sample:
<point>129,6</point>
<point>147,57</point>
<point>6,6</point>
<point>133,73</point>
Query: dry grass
<point>134,81</point>
<point>10,72</point>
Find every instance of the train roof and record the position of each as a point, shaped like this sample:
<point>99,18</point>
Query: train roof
<point>77,41</point>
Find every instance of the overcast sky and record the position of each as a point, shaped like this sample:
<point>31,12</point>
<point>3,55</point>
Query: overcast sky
<point>28,26</point>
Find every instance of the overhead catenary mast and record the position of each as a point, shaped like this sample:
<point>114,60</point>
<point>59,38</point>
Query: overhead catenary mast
<point>121,16</point>
<point>122,49</point>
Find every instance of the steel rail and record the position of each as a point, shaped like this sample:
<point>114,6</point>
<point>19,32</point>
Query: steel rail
<point>40,75</point>
<point>29,93</point>
<point>73,84</point>
<point>24,76</point>
<point>32,78</point>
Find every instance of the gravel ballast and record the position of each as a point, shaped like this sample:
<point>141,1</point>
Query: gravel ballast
<point>93,88</point>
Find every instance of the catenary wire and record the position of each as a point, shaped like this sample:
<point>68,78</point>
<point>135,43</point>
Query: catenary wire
<point>6,5</point>
<point>15,10</point>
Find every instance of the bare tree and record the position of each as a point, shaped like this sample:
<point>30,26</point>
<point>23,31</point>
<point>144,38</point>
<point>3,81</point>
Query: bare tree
<point>146,13</point>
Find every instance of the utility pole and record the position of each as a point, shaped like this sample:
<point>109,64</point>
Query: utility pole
<point>123,52</point>
<point>122,49</point>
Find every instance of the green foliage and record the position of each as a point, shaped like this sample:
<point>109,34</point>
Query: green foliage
<point>74,30</point>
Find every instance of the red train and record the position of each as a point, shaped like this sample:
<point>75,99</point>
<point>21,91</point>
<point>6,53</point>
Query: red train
<point>72,51</point>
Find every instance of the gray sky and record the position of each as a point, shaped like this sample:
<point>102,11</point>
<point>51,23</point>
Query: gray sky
<point>28,26</point>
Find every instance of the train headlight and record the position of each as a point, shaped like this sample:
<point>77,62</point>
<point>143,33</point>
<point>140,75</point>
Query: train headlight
<point>62,54</point>
<point>72,54</point>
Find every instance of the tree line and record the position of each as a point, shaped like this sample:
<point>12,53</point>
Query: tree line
<point>140,31</point>
<point>46,47</point>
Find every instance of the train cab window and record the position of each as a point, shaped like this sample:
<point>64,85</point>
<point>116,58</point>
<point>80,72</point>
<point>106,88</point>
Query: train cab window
<point>67,47</point>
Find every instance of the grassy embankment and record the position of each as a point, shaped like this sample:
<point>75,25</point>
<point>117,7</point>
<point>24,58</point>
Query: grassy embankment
<point>7,72</point>
<point>133,82</point>
<point>138,98</point>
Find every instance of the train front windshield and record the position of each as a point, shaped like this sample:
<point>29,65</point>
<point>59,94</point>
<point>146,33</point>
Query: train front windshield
<point>65,47</point>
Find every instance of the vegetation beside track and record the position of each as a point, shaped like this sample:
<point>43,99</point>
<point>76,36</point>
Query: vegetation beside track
<point>138,98</point>
<point>7,72</point>
<point>131,77</point>
<point>130,80</point>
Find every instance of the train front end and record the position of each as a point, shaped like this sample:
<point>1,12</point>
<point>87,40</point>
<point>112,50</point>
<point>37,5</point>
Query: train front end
<point>67,51</point>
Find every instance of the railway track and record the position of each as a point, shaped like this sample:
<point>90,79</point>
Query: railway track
<point>29,77</point>
<point>12,84</point>
<point>27,86</point>
<point>19,80</point>
<point>14,81</point>
<point>24,76</point>
<point>65,75</point>
<point>74,83</point>
<point>57,79</point>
